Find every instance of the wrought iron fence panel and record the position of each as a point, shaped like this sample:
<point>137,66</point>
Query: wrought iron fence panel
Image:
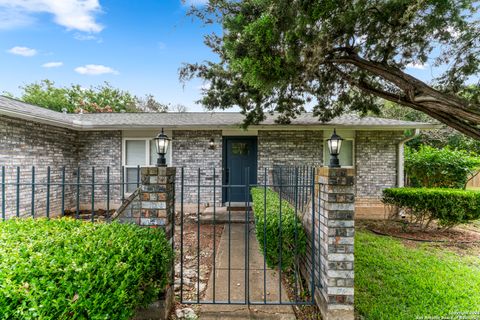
<point>95,193</point>
<point>297,187</point>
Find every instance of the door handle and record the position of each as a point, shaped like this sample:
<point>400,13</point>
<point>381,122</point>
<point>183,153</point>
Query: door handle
<point>227,176</point>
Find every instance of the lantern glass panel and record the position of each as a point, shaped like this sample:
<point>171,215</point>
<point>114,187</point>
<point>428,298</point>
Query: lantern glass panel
<point>346,155</point>
<point>162,145</point>
<point>334,145</point>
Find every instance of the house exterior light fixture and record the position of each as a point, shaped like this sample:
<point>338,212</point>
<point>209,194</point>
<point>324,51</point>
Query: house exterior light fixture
<point>334,146</point>
<point>161,142</point>
<point>211,144</point>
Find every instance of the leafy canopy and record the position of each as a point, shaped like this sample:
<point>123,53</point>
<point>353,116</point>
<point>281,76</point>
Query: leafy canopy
<point>341,56</point>
<point>101,98</point>
<point>439,138</point>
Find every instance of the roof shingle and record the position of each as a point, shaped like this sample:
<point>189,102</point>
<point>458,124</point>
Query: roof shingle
<point>187,120</point>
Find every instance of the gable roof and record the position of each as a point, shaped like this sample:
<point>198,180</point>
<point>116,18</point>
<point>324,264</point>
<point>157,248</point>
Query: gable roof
<point>189,120</point>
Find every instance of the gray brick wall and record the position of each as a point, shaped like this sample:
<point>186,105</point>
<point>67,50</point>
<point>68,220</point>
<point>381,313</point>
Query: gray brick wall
<point>375,162</point>
<point>288,148</point>
<point>190,149</point>
<point>26,144</point>
<point>100,149</point>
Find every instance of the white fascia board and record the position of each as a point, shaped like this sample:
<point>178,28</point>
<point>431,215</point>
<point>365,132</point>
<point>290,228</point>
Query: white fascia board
<point>263,127</point>
<point>49,121</point>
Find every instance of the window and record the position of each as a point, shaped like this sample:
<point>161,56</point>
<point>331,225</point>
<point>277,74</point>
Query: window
<point>240,149</point>
<point>346,156</point>
<point>139,152</point>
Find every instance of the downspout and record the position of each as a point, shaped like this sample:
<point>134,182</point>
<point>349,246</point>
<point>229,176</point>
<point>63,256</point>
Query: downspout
<point>400,160</point>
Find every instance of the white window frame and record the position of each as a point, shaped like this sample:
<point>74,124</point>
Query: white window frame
<point>325,147</point>
<point>148,142</point>
<point>147,152</point>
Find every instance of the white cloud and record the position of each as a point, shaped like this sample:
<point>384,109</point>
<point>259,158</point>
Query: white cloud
<point>95,70</point>
<point>22,51</point>
<point>72,14</point>
<point>87,37</point>
<point>53,64</point>
<point>416,65</point>
<point>194,2</point>
<point>11,18</point>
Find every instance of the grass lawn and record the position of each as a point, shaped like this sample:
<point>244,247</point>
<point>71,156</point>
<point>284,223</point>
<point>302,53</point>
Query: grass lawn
<point>394,281</point>
<point>475,224</point>
<point>473,188</point>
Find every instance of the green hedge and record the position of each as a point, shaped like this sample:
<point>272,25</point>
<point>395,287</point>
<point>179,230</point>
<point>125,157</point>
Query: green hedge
<point>68,269</point>
<point>440,168</point>
<point>271,221</point>
<point>448,206</point>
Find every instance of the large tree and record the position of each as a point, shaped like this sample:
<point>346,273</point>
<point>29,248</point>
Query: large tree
<point>100,98</point>
<point>341,56</point>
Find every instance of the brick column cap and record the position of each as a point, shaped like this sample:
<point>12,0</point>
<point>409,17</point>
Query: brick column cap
<point>335,172</point>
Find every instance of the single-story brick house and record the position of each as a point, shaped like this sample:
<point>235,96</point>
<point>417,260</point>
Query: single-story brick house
<point>34,136</point>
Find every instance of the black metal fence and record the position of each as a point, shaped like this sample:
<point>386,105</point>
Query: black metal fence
<point>296,185</point>
<point>94,194</point>
<point>57,191</point>
<point>299,187</point>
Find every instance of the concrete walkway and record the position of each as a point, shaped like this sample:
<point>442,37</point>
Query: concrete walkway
<point>223,215</point>
<point>235,290</point>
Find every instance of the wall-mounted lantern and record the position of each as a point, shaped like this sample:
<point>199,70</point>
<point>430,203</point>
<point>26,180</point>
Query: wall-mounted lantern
<point>334,146</point>
<point>161,142</point>
<point>211,144</point>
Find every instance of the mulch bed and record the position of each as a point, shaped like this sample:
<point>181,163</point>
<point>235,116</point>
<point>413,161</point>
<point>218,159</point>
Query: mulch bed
<point>301,312</point>
<point>411,232</point>
<point>99,214</point>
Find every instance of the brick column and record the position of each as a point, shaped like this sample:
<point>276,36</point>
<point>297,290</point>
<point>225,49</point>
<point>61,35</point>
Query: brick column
<point>335,200</point>
<point>157,198</point>
<point>157,210</point>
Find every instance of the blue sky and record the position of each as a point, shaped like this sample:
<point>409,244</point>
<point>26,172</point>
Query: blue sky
<point>134,45</point>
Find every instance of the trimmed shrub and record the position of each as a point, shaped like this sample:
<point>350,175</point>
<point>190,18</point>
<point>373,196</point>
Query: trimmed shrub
<point>439,168</point>
<point>448,206</point>
<point>267,224</point>
<point>69,269</point>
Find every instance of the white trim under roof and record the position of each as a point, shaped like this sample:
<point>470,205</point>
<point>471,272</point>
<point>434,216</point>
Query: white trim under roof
<point>292,127</point>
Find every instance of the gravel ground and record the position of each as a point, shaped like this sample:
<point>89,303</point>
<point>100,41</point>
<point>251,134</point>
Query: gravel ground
<point>192,281</point>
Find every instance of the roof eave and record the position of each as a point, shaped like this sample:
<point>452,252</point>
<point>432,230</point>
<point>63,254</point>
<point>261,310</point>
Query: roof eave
<point>44,120</point>
<point>423,126</point>
<point>80,125</point>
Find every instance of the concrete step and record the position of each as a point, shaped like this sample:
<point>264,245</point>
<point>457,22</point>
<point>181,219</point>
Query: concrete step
<point>224,215</point>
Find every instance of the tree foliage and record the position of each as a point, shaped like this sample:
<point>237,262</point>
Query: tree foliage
<point>445,168</point>
<point>101,98</point>
<point>341,56</point>
<point>442,137</point>
<point>149,104</point>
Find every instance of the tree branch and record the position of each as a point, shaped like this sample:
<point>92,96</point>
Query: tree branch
<point>453,121</point>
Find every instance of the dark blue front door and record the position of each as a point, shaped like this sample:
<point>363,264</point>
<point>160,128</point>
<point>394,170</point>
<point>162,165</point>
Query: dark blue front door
<point>240,153</point>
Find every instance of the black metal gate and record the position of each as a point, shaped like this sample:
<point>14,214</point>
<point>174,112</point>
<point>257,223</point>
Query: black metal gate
<point>249,253</point>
